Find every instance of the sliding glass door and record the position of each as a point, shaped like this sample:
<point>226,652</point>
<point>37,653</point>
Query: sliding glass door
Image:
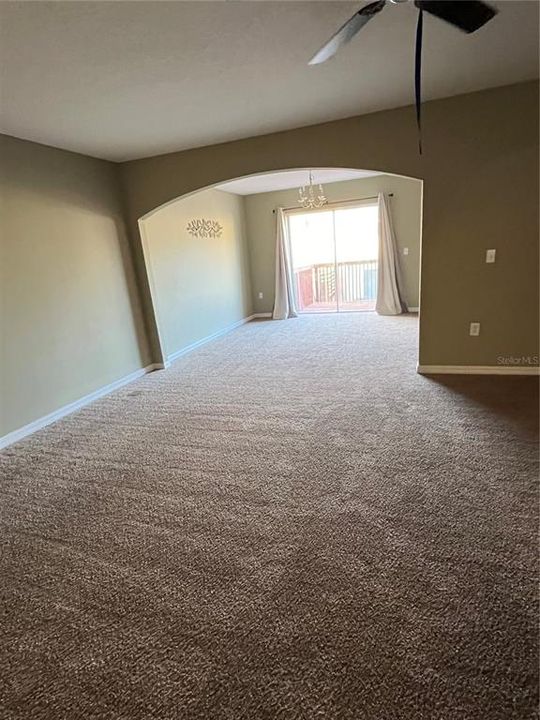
<point>356,245</point>
<point>334,258</point>
<point>314,260</point>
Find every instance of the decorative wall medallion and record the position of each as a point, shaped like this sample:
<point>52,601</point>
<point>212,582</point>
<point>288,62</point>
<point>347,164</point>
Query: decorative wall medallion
<point>204,228</point>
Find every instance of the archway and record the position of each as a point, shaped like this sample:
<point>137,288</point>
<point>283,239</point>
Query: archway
<point>182,272</point>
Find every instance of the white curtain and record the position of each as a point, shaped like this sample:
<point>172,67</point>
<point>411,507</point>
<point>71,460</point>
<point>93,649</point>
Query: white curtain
<point>389,298</point>
<point>284,304</point>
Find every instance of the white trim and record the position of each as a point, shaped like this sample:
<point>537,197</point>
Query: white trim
<point>179,353</point>
<point>413,309</point>
<point>36,425</point>
<point>478,369</point>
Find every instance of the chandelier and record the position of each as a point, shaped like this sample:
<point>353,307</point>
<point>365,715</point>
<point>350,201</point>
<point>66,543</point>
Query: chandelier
<point>309,197</point>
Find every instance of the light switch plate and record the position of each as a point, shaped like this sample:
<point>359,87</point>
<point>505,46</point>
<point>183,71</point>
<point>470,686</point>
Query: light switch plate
<point>405,251</point>
<point>474,329</point>
<point>260,296</point>
<point>490,256</point>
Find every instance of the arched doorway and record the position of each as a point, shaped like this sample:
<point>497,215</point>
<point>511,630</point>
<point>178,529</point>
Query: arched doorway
<point>235,272</point>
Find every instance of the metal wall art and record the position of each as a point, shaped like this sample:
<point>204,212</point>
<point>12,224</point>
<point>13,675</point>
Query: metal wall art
<point>204,228</point>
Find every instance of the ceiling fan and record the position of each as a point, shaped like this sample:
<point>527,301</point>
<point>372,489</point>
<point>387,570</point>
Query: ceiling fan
<point>467,15</point>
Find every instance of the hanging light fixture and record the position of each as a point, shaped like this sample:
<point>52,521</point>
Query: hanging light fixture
<point>309,197</point>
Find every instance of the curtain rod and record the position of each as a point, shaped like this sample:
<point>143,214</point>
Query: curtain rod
<point>338,202</point>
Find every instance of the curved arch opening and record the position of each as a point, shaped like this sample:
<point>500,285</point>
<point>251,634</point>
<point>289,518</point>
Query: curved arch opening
<point>201,287</point>
<point>340,172</point>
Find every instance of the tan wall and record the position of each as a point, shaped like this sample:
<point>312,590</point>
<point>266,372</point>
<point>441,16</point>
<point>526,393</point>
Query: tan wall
<point>69,311</point>
<point>480,172</point>
<point>70,317</point>
<point>406,207</point>
<point>199,285</point>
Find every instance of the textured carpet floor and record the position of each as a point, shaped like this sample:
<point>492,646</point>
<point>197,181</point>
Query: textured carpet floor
<point>289,523</point>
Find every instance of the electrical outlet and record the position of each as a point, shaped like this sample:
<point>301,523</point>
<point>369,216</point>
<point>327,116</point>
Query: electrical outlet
<point>490,256</point>
<point>261,296</point>
<point>405,251</point>
<point>474,329</point>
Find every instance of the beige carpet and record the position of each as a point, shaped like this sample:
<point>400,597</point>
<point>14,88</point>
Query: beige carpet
<point>290,523</point>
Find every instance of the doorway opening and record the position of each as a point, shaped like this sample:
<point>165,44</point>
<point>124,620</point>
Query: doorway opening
<point>200,286</point>
<point>334,255</point>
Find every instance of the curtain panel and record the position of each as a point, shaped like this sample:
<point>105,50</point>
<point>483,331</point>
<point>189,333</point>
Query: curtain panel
<point>389,280</point>
<point>284,304</point>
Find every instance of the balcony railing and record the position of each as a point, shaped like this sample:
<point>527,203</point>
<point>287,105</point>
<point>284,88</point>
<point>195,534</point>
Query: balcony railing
<point>355,284</point>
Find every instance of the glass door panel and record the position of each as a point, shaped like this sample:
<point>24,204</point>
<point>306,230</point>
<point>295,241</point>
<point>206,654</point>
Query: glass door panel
<point>314,261</point>
<point>356,236</point>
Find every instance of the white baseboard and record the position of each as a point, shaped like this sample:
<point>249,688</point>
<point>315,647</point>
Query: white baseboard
<point>413,309</point>
<point>189,348</point>
<point>36,425</point>
<point>478,369</point>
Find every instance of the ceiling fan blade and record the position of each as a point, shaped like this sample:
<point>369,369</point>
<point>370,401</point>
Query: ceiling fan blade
<point>467,15</point>
<point>347,31</point>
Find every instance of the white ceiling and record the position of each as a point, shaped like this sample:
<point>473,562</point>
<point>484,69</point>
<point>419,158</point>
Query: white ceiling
<point>290,179</point>
<point>121,80</point>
